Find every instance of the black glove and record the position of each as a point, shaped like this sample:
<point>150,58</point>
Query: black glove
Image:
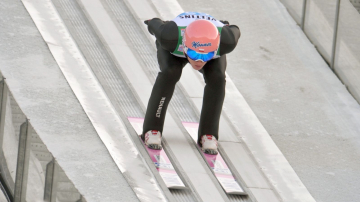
<point>147,22</point>
<point>225,22</point>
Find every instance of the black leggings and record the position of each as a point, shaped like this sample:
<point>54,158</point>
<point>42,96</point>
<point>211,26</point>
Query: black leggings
<point>171,69</point>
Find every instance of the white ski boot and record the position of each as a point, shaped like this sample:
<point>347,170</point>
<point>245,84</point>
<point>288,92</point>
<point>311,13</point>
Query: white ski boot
<point>153,139</point>
<point>209,144</point>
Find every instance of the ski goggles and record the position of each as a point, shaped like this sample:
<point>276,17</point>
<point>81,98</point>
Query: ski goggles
<point>199,56</point>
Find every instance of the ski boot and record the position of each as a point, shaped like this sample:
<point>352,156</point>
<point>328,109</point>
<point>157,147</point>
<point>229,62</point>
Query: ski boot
<point>209,144</point>
<point>153,139</point>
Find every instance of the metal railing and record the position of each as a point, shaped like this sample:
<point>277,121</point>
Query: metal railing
<point>333,27</point>
<point>28,171</point>
<point>336,25</point>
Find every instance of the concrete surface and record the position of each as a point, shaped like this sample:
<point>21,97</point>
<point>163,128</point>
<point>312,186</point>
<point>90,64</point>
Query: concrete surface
<point>308,112</point>
<point>54,110</point>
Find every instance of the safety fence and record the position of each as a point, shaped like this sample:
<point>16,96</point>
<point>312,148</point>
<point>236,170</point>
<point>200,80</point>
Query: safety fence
<point>333,26</point>
<point>28,171</point>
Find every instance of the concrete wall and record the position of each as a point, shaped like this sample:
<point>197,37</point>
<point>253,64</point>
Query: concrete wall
<point>356,4</point>
<point>319,26</point>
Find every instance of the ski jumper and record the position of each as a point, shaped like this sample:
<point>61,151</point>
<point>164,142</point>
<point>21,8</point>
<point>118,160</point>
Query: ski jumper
<point>171,60</point>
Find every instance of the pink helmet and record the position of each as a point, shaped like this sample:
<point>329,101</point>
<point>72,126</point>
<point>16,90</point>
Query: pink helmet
<point>201,36</point>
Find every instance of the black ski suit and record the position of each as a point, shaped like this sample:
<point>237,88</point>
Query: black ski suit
<point>171,66</point>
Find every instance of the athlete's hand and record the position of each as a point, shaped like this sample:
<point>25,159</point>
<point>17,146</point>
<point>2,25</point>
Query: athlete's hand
<point>225,22</point>
<point>147,22</point>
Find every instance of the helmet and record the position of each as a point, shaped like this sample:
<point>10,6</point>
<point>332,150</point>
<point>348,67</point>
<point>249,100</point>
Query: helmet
<point>201,40</point>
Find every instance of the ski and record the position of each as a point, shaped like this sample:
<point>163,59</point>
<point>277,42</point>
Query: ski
<point>217,164</point>
<point>160,159</point>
